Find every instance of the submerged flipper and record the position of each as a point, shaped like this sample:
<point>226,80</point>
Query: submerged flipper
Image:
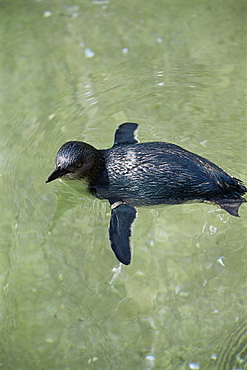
<point>122,216</point>
<point>125,134</point>
<point>230,205</point>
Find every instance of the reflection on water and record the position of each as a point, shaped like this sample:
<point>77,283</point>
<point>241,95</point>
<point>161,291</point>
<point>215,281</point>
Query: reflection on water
<point>75,72</point>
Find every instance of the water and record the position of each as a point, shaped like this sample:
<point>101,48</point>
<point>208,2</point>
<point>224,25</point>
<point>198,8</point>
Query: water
<point>75,71</point>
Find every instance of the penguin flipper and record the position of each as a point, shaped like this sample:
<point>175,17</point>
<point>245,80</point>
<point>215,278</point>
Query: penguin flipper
<point>122,216</point>
<point>125,134</point>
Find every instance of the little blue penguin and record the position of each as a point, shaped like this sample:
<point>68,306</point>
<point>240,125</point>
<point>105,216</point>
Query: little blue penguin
<point>131,174</point>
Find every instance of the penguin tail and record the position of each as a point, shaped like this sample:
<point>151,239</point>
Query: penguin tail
<point>230,205</point>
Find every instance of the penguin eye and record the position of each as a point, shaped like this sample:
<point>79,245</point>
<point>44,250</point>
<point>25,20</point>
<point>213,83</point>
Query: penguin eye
<point>79,165</point>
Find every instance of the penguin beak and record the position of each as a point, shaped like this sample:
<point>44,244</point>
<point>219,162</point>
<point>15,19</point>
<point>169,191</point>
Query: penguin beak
<point>56,174</point>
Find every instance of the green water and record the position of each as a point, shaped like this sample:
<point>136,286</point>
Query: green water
<point>75,71</point>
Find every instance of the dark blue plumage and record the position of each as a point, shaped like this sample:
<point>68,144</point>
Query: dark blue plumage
<point>131,174</point>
